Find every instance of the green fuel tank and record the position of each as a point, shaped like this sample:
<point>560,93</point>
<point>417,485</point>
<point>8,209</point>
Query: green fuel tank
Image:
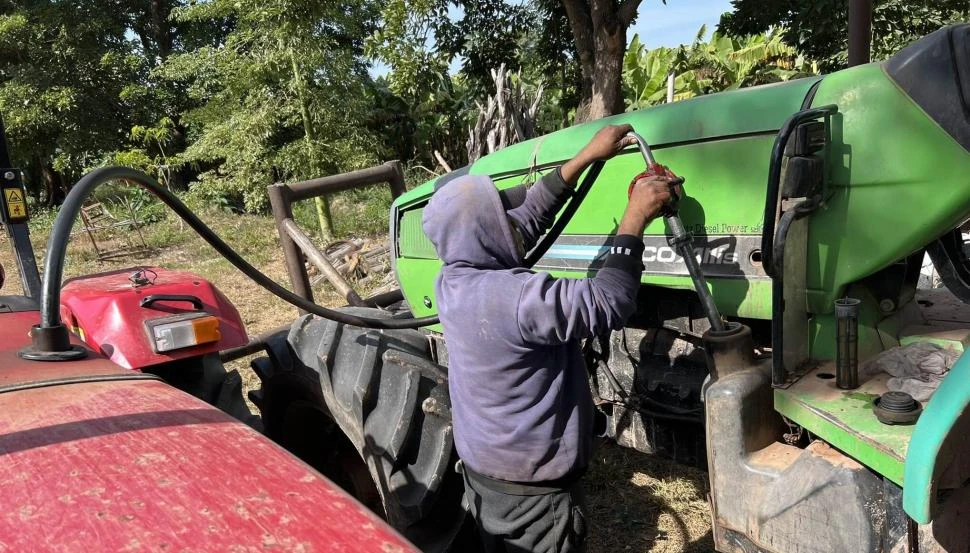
<point>896,176</point>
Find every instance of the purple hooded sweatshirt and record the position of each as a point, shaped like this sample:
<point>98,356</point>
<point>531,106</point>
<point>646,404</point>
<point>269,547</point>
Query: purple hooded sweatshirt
<point>520,397</point>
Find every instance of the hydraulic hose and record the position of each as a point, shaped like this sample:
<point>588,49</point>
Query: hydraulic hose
<point>57,249</point>
<point>60,235</point>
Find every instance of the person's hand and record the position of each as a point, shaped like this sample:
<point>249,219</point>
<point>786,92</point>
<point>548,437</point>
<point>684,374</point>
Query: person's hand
<point>647,199</point>
<point>608,142</point>
<point>649,196</point>
<point>605,144</point>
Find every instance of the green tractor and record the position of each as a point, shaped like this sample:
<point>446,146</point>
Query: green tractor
<point>812,204</point>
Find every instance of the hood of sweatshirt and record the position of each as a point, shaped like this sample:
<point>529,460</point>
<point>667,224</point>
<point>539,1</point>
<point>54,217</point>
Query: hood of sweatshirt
<point>467,222</point>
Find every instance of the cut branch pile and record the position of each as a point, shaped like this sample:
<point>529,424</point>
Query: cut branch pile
<point>357,260</point>
<point>507,117</point>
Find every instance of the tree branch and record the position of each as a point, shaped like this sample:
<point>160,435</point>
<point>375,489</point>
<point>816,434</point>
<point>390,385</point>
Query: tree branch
<point>578,13</point>
<point>627,12</point>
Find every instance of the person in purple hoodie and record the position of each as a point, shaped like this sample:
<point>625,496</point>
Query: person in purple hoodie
<point>522,407</point>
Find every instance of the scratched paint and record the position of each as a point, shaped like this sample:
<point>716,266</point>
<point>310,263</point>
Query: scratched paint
<point>140,466</point>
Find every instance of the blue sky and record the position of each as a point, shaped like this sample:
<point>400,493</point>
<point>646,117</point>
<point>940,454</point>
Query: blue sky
<point>677,22</point>
<point>657,24</point>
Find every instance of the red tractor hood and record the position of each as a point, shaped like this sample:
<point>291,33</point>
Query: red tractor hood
<point>93,464</point>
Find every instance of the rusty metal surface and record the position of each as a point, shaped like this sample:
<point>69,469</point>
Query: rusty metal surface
<point>141,466</point>
<point>282,196</point>
<point>845,418</point>
<point>321,262</point>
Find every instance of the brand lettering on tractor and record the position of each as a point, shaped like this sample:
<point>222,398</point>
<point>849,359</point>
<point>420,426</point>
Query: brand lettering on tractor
<point>705,256</point>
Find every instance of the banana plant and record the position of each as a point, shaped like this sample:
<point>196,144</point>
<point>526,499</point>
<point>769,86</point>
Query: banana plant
<point>706,66</point>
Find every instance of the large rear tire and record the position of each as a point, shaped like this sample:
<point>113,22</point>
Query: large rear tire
<point>369,409</point>
<point>207,379</point>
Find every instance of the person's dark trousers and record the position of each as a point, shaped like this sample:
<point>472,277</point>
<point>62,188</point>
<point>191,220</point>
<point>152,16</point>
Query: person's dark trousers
<point>523,518</point>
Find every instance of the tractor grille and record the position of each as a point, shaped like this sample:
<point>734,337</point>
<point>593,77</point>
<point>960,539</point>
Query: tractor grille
<point>412,241</point>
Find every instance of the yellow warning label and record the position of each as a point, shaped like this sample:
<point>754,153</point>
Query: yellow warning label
<point>16,206</point>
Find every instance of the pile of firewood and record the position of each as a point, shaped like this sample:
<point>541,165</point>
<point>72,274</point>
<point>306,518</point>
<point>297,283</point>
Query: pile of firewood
<point>356,260</point>
<point>507,117</point>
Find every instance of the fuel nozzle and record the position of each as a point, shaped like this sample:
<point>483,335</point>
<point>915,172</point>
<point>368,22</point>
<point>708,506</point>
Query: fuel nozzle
<point>680,239</point>
<point>655,169</point>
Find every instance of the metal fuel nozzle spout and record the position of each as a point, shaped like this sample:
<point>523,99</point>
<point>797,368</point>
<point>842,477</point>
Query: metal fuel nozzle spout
<point>679,238</point>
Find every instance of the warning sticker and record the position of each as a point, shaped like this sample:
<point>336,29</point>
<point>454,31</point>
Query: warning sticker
<point>14,200</point>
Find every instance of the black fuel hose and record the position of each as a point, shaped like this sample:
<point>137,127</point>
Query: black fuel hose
<point>50,314</point>
<point>57,249</point>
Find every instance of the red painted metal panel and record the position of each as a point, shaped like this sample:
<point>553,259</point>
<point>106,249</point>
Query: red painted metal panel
<point>104,310</point>
<point>141,466</point>
<point>14,334</point>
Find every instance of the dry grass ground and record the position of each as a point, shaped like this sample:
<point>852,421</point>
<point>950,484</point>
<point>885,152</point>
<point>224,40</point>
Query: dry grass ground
<point>636,503</point>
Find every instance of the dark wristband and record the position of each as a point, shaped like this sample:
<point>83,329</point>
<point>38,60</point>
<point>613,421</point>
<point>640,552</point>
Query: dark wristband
<point>626,253</point>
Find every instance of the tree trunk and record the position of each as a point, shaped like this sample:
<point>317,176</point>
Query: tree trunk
<point>161,30</point>
<point>309,133</point>
<point>599,33</point>
<point>607,89</point>
<point>54,187</point>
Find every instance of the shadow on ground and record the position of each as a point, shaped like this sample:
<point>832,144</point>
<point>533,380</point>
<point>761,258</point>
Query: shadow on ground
<point>638,503</point>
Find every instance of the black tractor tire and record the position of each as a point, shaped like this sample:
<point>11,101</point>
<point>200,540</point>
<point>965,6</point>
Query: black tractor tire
<point>949,256</point>
<point>370,410</point>
<point>207,379</point>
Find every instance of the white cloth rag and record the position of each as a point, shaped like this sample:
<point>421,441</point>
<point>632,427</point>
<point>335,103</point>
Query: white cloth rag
<point>916,368</point>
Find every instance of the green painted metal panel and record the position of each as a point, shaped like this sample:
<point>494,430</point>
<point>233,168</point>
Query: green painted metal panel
<point>750,110</point>
<point>725,185</point>
<point>957,340</point>
<point>726,193</point>
<point>412,242</point>
<point>416,277</point>
<point>877,332</point>
<point>948,409</point>
<point>844,418</point>
<point>898,181</point>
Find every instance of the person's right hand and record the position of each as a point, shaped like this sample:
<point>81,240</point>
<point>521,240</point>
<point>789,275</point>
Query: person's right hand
<point>646,201</point>
<point>649,196</point>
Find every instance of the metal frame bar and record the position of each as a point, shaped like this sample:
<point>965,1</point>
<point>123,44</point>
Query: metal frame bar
<point>779,373</point>
<point>281,199</point>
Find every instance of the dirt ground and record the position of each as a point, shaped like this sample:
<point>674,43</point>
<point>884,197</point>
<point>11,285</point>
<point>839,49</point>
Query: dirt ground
<point>636,503</point>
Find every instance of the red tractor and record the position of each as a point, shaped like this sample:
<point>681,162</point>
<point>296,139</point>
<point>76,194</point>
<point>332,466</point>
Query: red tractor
<point>116,437</point>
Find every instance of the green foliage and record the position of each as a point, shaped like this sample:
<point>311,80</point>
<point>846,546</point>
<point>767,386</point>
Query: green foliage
<point>224,97</point>
<point>280,99</point>
<point>359,212</point>
<point>819,28</point>
<point>404,42</point>
<point>63,66</point>
<point>706,66</point>
<point>486,36</point>
<point>414,127</point>
<point>418,40</point>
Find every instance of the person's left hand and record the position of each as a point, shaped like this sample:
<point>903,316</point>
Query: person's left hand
<point>608,142</point>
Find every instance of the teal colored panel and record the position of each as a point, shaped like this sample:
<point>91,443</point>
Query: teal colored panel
<point>946,410</point>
